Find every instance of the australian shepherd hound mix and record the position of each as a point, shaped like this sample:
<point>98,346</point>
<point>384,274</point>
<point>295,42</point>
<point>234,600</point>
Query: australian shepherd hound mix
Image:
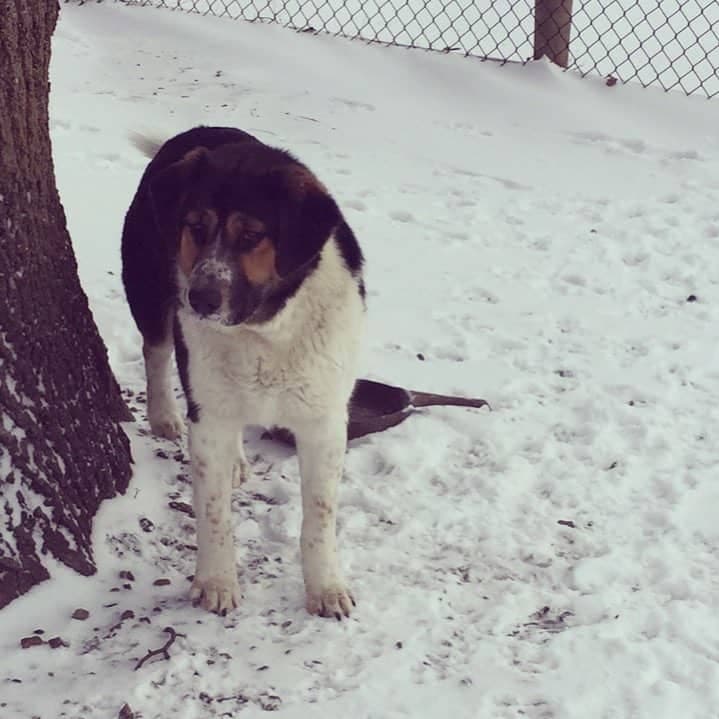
<point>235,255</point>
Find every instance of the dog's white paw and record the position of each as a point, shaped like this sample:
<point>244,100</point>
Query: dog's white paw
<point>216,595</point>
<point>241,471</point>
<point>331,601</point>
<point>166,422</point>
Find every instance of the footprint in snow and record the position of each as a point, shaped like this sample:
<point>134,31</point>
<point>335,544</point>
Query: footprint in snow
<point>356,205</point>
<point>354,104</point>
<point>60,125</point>
<point>486,296</point>
<point>576,280</point>
<point>684,155</point>
<point>401,216</point>
<point>635,145</point>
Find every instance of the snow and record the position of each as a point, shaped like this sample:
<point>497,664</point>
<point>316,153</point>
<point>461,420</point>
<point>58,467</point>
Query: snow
<point>546,242</point>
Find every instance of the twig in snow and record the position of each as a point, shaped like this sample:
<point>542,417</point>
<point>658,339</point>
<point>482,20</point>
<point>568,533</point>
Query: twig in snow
<point>162,650</point>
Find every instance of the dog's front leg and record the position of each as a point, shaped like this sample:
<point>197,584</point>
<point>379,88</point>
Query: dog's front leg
<point>213,446</point>
<point>321,455</point>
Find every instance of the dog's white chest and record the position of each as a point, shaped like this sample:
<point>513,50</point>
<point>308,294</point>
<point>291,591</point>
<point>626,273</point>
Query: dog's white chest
<point>242,379</point>
<point>299,367</point>
<point>232,377</point>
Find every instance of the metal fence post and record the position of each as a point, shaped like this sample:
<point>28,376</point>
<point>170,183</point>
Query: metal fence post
<point>552,28</point>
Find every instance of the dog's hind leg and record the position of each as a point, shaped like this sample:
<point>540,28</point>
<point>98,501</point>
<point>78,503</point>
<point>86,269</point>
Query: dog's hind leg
<point>151,294</point>
<point>162,412</point>
<point>241,469</point>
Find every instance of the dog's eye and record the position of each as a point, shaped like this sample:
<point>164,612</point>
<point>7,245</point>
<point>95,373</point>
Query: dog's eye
<point>251,239</point>
<point>199,233</point>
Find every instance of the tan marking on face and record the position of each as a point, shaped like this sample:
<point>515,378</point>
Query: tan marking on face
<point>188,251</point>
<point>259,263</point>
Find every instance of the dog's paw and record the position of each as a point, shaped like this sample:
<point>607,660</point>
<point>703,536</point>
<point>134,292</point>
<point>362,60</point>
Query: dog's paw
<point>333,601</point>
<point>216,595</point>
<point>168,424</point>
<point>241,472</point>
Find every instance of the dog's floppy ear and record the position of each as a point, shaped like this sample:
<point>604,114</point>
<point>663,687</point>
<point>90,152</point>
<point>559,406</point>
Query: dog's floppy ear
<point>308,218</point>
<point>169,186</point>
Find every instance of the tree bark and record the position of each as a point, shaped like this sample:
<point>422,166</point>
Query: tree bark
<point>62,450</point>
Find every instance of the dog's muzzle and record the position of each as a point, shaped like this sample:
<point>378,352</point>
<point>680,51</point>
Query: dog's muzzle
<point>229,305</point>
<point>205,300</point>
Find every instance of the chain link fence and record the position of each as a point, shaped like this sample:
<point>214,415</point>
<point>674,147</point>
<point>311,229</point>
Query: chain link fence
<point>670,43</point>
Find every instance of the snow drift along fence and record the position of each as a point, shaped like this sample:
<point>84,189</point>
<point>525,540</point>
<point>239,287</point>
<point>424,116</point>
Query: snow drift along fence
<point>670,43</point>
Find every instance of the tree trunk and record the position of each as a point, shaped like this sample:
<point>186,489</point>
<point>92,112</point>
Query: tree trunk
<point>62,450</point>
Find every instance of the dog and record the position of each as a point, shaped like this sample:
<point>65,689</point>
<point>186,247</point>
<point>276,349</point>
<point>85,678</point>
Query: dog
<point>237,257</point>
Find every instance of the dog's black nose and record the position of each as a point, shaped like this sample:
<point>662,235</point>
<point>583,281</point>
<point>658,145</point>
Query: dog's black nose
<point>206,300</point>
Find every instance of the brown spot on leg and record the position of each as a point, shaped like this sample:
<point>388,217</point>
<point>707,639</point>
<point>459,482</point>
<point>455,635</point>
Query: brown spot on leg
<point>322,505</point>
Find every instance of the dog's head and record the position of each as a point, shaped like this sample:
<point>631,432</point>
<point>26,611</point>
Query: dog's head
<point>246,222</point>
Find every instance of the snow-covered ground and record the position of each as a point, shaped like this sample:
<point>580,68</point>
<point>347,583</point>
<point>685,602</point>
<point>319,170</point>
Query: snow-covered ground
<point>547,242</point>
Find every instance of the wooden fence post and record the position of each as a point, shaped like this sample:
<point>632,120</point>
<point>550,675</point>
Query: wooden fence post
<point>552,28</point>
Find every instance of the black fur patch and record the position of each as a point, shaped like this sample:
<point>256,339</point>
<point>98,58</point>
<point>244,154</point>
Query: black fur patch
<point>272,304</point>
<point>182,357</point>
<point>349,248</point>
